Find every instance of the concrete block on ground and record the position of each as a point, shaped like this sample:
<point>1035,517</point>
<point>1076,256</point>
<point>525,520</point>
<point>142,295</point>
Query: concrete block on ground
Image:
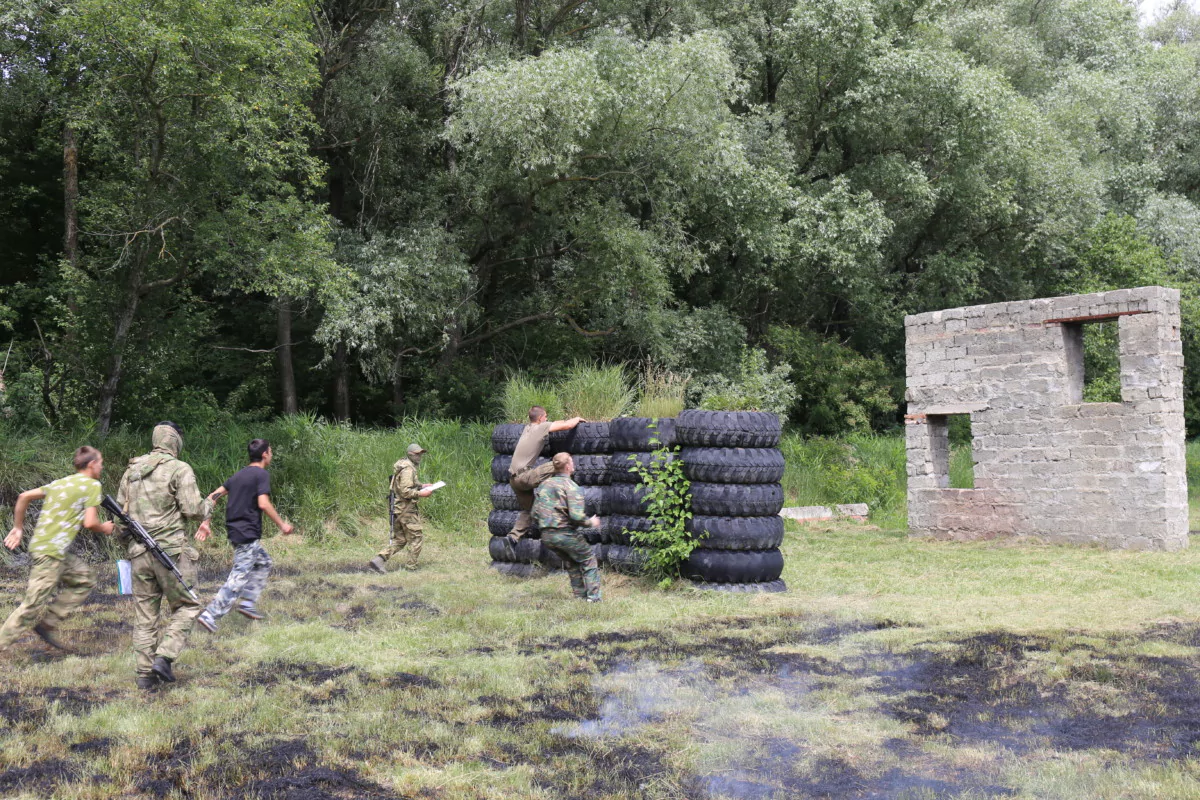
<point>807,513</point>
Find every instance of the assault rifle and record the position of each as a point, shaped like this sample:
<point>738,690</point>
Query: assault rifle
<point>137,531</point>
<point>391,505</point>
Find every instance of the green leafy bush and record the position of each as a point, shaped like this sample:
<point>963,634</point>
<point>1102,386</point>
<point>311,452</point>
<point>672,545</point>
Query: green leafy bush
<point>756,387</point>
<point>844,391</point>
<point>667,545</point>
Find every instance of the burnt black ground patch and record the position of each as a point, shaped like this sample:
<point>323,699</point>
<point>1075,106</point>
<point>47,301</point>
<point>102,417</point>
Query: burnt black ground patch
<point>32,706</point>
<point>727,648</point>
<point>407,680</point>
<point>291,770</point>
<point>782,771</point>
<point>993,688</point>
<point>169,770</point>
<point>98,746</point>
<point>612,770</point>
<point>575,704</point>
<point>41,777</point>
<point>270,673</point>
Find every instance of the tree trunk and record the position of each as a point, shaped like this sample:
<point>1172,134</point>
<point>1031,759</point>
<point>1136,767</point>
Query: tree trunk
<point>341,383</point>
<point>397,383</point>
<point>112,381</point>
<point>70,195</point>
<point>283,352</point>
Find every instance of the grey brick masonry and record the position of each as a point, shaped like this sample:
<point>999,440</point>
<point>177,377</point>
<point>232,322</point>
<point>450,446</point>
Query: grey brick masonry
<point>1048,465</point>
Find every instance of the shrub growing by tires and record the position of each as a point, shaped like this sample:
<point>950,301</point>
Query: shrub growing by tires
<point>623,465</point>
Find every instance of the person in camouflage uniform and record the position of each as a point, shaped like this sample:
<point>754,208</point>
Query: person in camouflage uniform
<point>59,580</point>
<point>159,491</point>
<point>558,509</point>
<point>407,530</point>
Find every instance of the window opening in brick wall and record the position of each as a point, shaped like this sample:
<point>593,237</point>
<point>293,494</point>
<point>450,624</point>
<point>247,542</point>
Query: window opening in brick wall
<point>1093,361</point>
<point>953,450</point>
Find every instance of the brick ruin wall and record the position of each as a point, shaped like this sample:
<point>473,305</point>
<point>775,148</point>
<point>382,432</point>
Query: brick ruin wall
<point>1047,464</point>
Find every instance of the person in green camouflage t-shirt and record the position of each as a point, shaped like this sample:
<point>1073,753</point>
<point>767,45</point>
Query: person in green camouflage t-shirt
<point>59,580</point>
<point>558,509</point>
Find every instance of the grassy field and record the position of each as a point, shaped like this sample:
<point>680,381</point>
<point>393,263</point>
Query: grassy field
<point>892,668</point>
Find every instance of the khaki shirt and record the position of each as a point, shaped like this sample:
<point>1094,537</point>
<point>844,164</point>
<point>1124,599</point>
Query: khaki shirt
<point>529,446</point>
<point>405,484</point>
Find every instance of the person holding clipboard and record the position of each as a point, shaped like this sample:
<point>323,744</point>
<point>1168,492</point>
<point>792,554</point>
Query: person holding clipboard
<point>407,530</point>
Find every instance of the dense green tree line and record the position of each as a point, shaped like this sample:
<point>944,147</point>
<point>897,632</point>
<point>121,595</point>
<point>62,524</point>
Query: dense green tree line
<point>369,210</point>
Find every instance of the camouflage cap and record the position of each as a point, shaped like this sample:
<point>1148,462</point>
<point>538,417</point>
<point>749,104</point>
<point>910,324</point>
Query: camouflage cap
<point>560,461</point>
<point>415,448</point>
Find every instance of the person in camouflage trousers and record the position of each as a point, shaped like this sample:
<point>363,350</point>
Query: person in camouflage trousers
<point>159,491</point>
<point>59,580</point>
<point>558,509</point>
<point>407,530</point>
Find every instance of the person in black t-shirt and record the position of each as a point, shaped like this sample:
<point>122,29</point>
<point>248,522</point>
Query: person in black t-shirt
<point>249,493</point>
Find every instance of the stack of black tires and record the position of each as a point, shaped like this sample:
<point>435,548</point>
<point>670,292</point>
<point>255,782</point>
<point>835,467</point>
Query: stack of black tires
<point>590,446</point>
<point>735,467</point>
<point>633,440</point>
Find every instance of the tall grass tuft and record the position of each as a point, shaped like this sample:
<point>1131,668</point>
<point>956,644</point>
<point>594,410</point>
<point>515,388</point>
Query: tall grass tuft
<point>663,393</point>
<point>596,392</point>
<point>522,392</point>
<point>861,468</point>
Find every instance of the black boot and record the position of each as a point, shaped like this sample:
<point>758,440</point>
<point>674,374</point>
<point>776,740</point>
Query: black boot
<point>50,637</point>
<point>147,682</point>
<point>162,668</point>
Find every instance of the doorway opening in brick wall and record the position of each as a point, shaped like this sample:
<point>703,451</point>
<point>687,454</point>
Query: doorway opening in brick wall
<point>1093,360</point>
<point>953,448</point>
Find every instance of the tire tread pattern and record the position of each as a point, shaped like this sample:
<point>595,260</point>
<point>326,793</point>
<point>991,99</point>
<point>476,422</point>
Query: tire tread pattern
<point>733,566</point>
<point>737,533</point>
<point>736,499</point>
<point>586,438</point>
<point>633,433</point>
<point>696,428</point>
<point>733,464</point>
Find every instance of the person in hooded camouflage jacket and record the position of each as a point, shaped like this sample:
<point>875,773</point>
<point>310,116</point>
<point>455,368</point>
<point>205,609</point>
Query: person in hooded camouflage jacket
<point>159,491</point>
<point>558,509</point>
<point>407,529</point>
